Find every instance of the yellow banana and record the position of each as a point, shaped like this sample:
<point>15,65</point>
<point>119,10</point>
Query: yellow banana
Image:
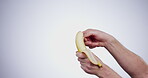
<point>82,48</point>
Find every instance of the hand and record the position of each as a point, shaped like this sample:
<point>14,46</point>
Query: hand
<point>88,67</point>
<point>95,38</point>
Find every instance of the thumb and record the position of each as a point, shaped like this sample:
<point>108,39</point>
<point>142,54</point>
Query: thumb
<point>97,58</point>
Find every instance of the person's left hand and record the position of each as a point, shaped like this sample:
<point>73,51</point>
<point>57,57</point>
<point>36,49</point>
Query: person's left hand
<point>86,65</point>
<point>90,68</point>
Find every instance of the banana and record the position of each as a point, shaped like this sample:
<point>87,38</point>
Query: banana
<point>82,48</point>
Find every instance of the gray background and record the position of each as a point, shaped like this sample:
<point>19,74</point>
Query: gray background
<point>37,37</point>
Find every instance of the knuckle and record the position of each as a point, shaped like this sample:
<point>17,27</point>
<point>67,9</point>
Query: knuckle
<point>90,29</point>
<point>81,63</point>
<point>87,61</point>
<point>78,59</point>
<point>77,54</point>
<point>89,67</point>
<point>83,55</point>
<point>86,70</point>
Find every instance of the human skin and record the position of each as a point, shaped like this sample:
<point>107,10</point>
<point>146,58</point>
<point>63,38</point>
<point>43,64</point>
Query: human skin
<point>126,59</point>
<point>101,72</point>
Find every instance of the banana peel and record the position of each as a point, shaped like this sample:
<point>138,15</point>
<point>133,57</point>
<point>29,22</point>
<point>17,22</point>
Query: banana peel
<point>82,48</point>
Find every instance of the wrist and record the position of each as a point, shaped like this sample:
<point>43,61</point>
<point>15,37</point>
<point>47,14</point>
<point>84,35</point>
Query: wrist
<point>106,72</point>
<point>110,41</point>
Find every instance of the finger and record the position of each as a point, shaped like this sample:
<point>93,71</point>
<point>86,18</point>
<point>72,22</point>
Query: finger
<point>81,55</point>
<point>86,60</point>
<point>97,58</point>
<point>91,47</point>
<point>86,39</point>
<point>87,43</point>
<point>88,65</point>
<point>86,70</point>
<point>91,44</point>
<point>88,32</point>
<point>83,64</point>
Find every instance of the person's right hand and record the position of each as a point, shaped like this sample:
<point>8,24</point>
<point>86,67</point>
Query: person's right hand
<point>96,38</point>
